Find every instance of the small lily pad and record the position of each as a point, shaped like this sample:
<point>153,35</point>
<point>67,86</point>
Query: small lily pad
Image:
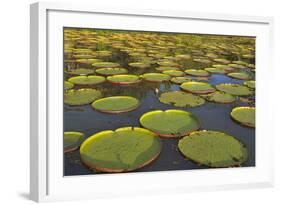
<point>111,71</point>
<point>213,149</point>
<point>197,87</point>
<point>87,80</point>
<point>68,85</point>
<point>167,63</point>
<point>139,65</point>
<point>72,141</point>
<point>240,75</point>
<point>234,89</point>
<point>222,60</point>
<point>82,96</point>
<point>163,68</point>
<point>225,67</point>
<point>181,99</point>
<point>220,97</point>
<point>180,80</point>
<point>250,84</point>
<point>156,77</point>
<point>194,72</point>
<point>244,115</point>
<point>170,123</point>
<point>233,65</point>
<point>105,65</point>
<point>216,70</point>
<point>122,150</point>
<point>173,73</point>
<point>124,79</point>
<point>81,71</point>
<point>116,104</point>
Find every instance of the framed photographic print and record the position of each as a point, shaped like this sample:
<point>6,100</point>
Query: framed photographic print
<point>127,102</point>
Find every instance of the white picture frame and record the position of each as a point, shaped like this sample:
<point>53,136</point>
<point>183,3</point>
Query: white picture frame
<point>47,182</point>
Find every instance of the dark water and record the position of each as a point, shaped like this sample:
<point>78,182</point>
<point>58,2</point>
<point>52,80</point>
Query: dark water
<point>212,116</point>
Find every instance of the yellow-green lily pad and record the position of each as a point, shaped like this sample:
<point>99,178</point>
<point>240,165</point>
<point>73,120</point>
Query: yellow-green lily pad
<point>156,77</point>
<point>72,141</point>
<point>139,65</point>
<point>216,70</point>
<point>163,68</point>
<point>124,79</point>
<point>198,87</point>
<point>111,71</point>
<point>180,80</point>
<point>250,84</point>
<point>199,72</point>
<point>81,71</point>
<point>240,75</point>
<point>234,89</point>
<point>82,96</point>
<point>105,65</point>
<point>173,73</point>
<point>220,97</point>
<point>87,80</point>
<point>244,115</point>
<point>68,85</point>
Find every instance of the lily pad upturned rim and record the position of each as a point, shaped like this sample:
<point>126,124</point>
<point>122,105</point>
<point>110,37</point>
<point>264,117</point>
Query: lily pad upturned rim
<point>197,72</point>
<point>115,111</point>
<point>193,153</point>
<point>111,79</point>
<point>170,135</point>
<point>173,73</point>
<point>147,75</point>
<point>185,85</point>
<point>96,80</point>
<point>241,121</point>
<point>108,71</point>
<point>74,146</point>
<point>154,155</point>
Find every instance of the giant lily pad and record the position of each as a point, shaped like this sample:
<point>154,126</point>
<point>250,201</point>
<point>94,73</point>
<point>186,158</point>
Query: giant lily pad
<point>124,79</point>
<point>198,87</point>
<point>250,84</point>
<point>87,60</point>
<point>216,70</point>
<point>180,80</point>
<point>124,149</point>
<point>222,60</point>
<point>68,85</point>
<point>163,68</point>
<point>244,115</point>
<point>81,96</point>
<point>234,89</point>
<point>139,65</point>
<point>72,140</point>
<point>170,123</point>
<point>213,149</point>
<point>233,65</point>
<point>173,73</point>
<point>181,99</point>
<point>194,72</point>
<point>111,71</point>
<point>81,71</point>
<point>116,104</point>
<point>167,63</point>
<point>240,75</point>
<point>220,97</point>
<point>156,77</point>
<point>105,65</point>
<point>87,80</point>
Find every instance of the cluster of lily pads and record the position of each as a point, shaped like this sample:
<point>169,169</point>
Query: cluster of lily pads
<point>90,61</point>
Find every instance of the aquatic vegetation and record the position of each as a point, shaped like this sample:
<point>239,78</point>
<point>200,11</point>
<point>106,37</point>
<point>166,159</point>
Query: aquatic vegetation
<point>105,65</point>
<point>183,57</point>
<point>170,123</point>
<point>213,149</point>
<point>250,84</point>
<point>156,77</point>
<point>111,71</point>
<point>139,65</point>
<point>72,140</point>
<point>173,73</point>
<point>216,70</point>
<point>87,80</point>
<point>125,149</point>
<point>180,80</point>
<point>81,71</point>
<point>164,68</point>
<point>225,67</point>
<point>181,99</point>
<point>82,96</point>
<point>248,56</point>
<point>220,97</point>
<point>116,104</point>
<point>221,60</point>
<point>198,87</point>
<point>239,75</point>
<point>124,79</point>
<point>87,60</point>
<point>240,63</point>
<point>199,72</point>
<point>244,115</point>
<point>202,60</point>
<point>239,66</point>
<point>168,63</point>
<point>234,89</point>
<point>68,85</point>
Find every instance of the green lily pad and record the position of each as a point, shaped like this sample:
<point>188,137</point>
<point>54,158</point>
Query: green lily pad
<point>183,57</point>
<point>216,70</point>
<point>163,68</point>
<point>248,56</point>
<point>170,123</point>
<point>202,60</point>
<point>167,63</point>
<point>220,97</point>
<point>111,71</point>
<point>221,60</point>
<point>173,73</point>
<point>68,85</point>
<point>240,75</point>
<point>233,65</point>
<point>87,80</point>
<point>139,65</point>
<point>72,140</point>
<point>234,89</point>
<point>240,63</point>
<point>194,72</point>
<point>244,115</point>
<point>213,149</point>
<point>116,104</point>
<point>156,77</point>
<point>122,150</point>
<point>105,65</point>
<point>87,60</point>
<point>81,71</point>
<point>198,87</point>
<point>180,80</point>
<point>82,96</point>
<point>181,99</point>
<point>124,79</point>
<point>250,84</point>
<point>225,67</point>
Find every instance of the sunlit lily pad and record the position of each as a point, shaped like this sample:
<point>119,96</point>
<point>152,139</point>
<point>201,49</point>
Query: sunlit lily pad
<point>81,71</point>
<point>87,80</point>
<point>248,56</point>
<point>222,60</point>
<point>105,65</point>
<point>170,123</point>
<point>122,150</point>
<point>216,70</point>
<point>197,87</point>
<point>220,97</point>
<point>81,96</point>
<point>233,65</point>
<point>240,75</point>
<point>240,63</point>
<point>116,104</point>
<point>183,57</point>
<point>111,71</point>
<point>181,99</point>
<point>173,73</point>
<point>180,80</point>
<point>68,85</point>
<point>163,68</point>
<point>124,79</point>
<point>156,77</point>
<point>250,84</point>
<point>87,60</point>
<point>225,67</point>
<point>139,65</point>
<point>213,149</point>
<point>199,72</point>
<point>234,89</point>
<point>244,115</point>
<point>72,140</point>
<point>202,60</point>
<point>167,63</point>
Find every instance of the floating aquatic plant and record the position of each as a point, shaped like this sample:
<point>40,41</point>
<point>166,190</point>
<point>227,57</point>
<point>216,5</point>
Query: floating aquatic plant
<point>124,79</point>
<point>105,65</point>
<point>72,140</point>
<point>139,65</point>
<point>216,70</point>
<point>197,87</point>
<point>240,75</point>
<point>111,71</point>
<point>222,60</point>
<point>68,85</point>
<point>180,80</point>
<point>173,73</point>
<point>234,89</point>
<point>87,80</point>
<point>164,68</point>
<point>244,115</point>
<point>156,77</point>
<point>199,72</point>
<point>81,96</point>
<point>220,97</point>
<point>81,71</point>
<point>250,84</point>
